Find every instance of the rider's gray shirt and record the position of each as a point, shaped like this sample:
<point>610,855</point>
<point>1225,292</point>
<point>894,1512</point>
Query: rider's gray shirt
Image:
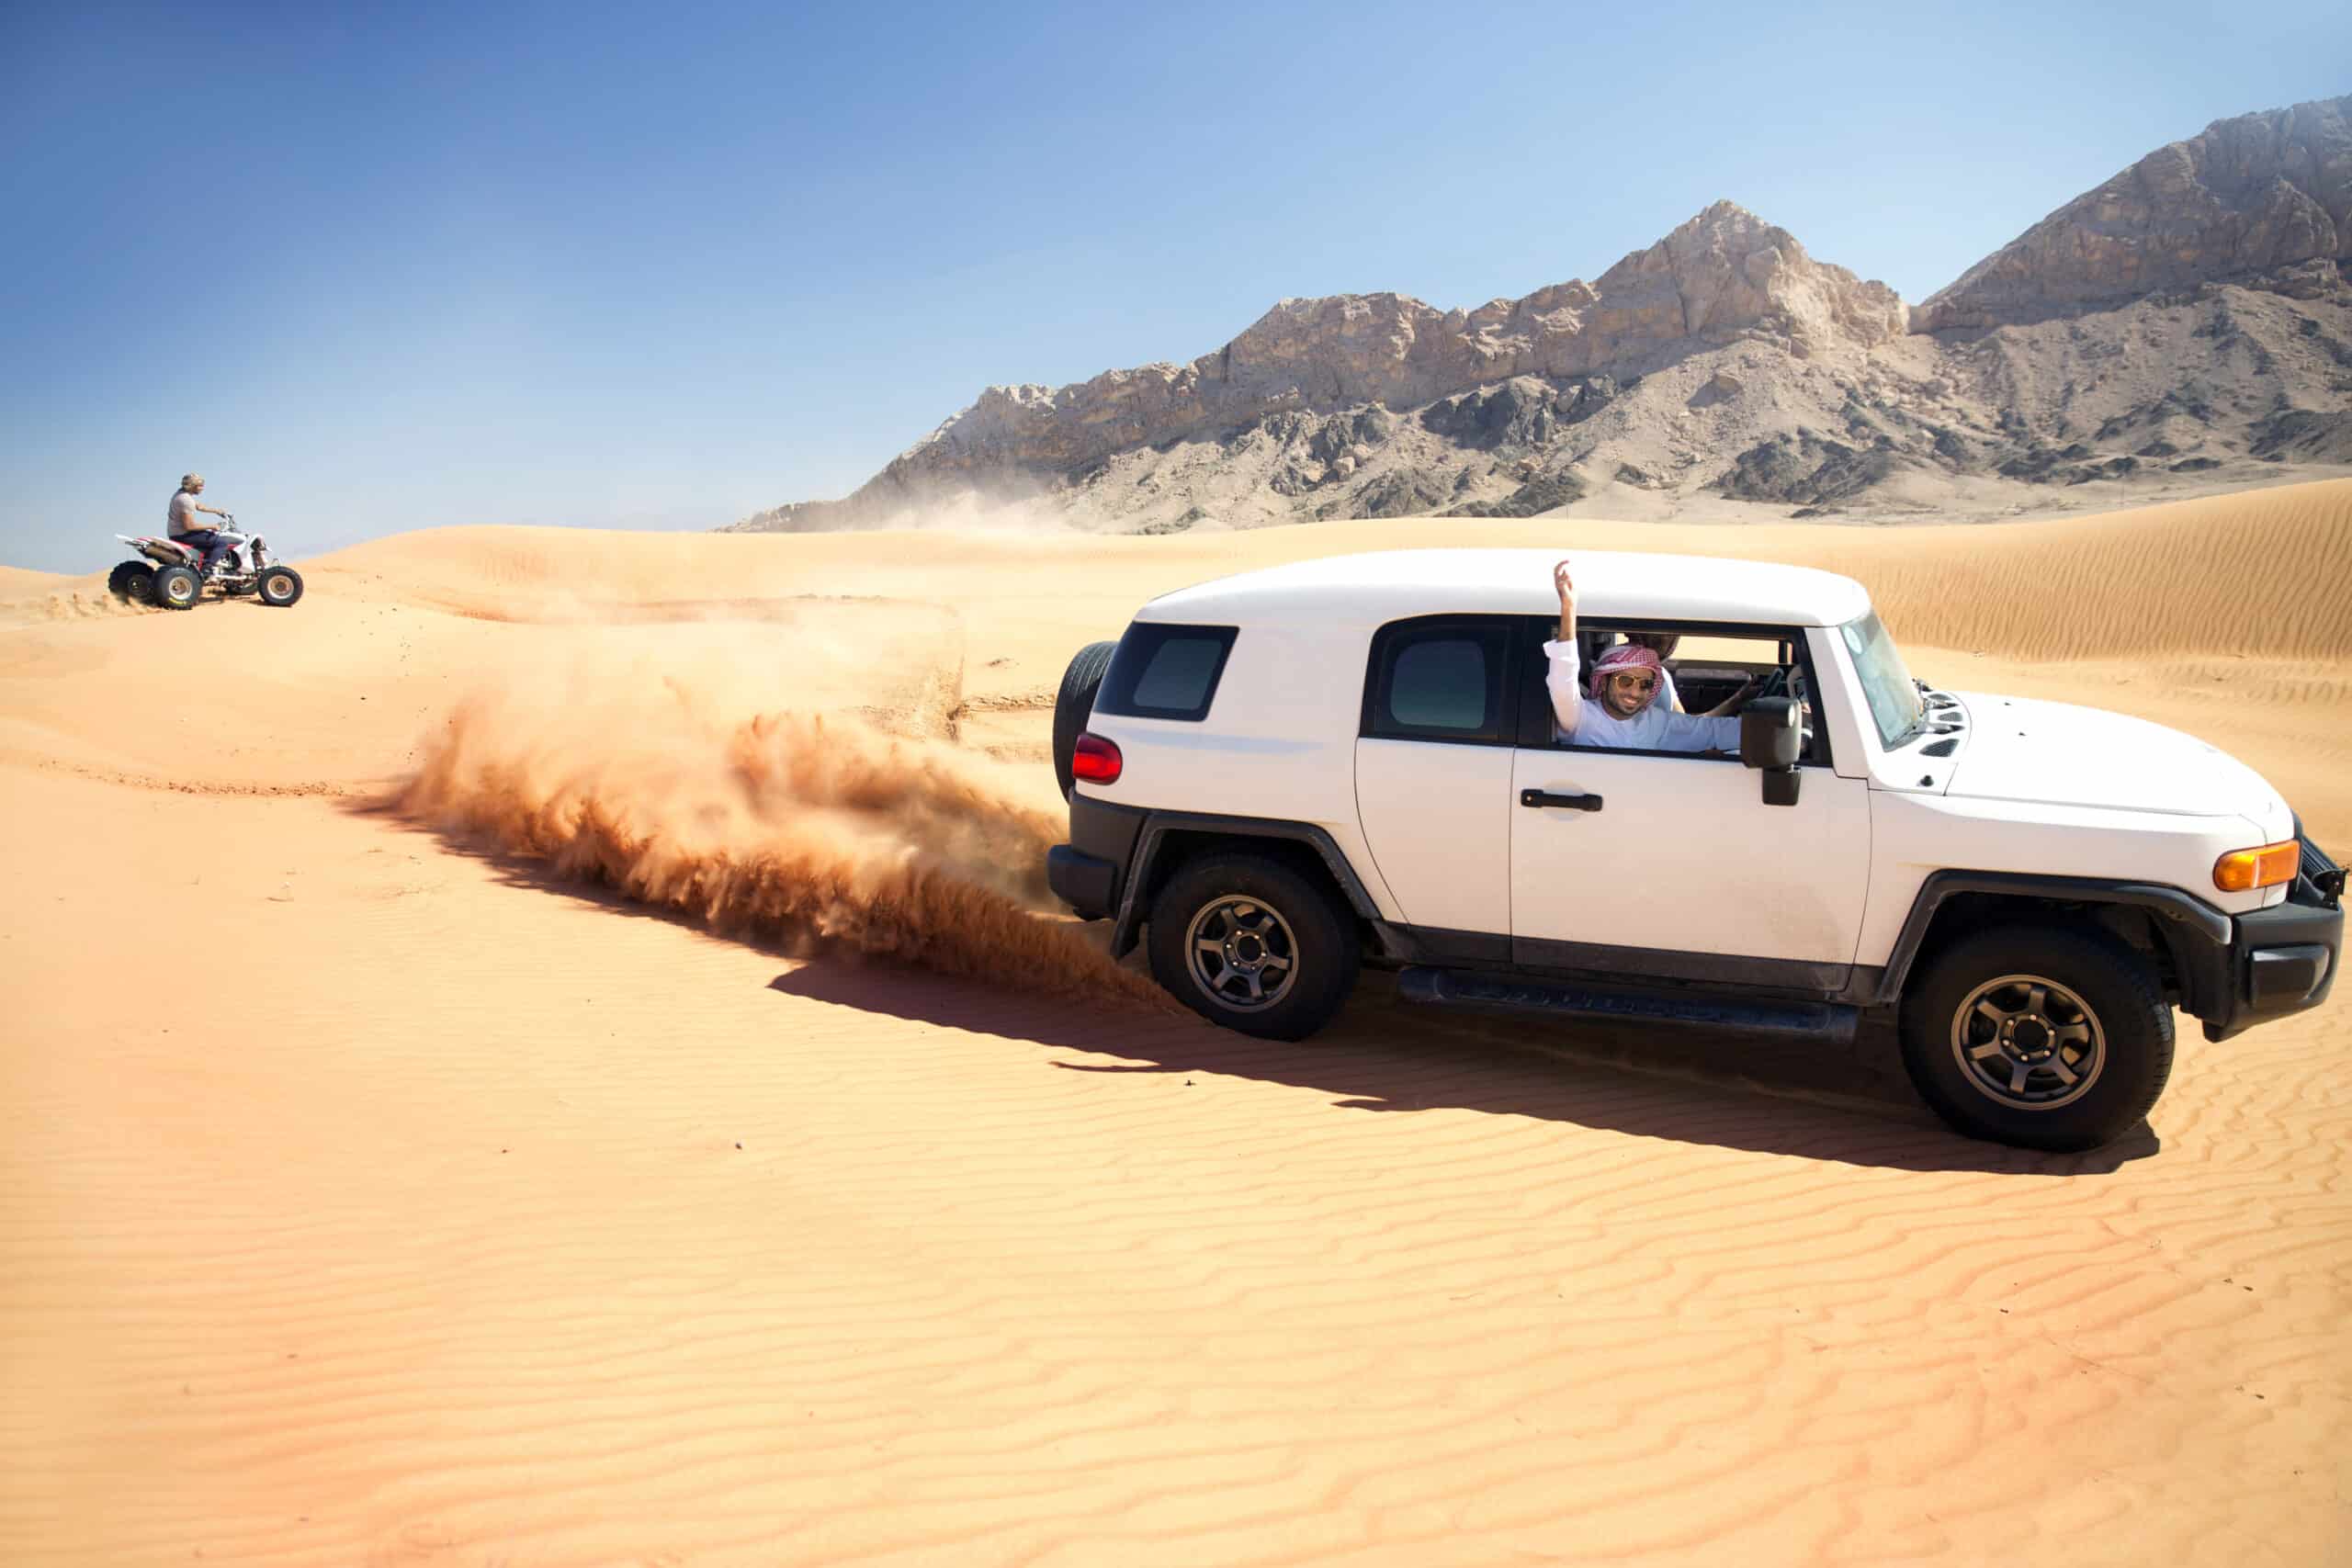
<point>181,518</point>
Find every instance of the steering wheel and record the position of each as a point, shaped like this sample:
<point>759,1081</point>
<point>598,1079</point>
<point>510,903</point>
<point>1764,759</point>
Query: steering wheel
<point>1788,681</point>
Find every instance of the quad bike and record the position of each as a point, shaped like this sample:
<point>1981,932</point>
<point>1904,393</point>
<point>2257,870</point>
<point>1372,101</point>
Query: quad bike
<point>178,578</point>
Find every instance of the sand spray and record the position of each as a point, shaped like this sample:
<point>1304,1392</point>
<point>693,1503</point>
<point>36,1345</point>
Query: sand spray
<point>816,830</point>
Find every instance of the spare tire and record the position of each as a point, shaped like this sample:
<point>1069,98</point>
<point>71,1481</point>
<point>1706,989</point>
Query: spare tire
<point>1075,705</point>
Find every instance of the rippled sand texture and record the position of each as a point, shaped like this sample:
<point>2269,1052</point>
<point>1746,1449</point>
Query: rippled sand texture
<point>473,1094</point>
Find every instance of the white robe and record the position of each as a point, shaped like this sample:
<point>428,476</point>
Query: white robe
<point>1588,721</point>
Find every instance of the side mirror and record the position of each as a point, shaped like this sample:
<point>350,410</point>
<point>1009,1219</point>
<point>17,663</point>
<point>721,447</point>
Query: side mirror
<point>1771,739</point>
<point>1770,733</point>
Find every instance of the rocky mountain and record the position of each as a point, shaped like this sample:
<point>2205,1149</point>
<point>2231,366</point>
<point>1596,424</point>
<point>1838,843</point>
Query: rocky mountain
<point>2262,194</point>
<point>2190,317</point>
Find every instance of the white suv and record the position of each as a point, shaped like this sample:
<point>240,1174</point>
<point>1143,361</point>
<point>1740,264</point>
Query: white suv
<point>1280,777</point>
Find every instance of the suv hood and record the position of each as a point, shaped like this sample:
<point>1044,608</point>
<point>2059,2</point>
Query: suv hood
<point>2058,753</point>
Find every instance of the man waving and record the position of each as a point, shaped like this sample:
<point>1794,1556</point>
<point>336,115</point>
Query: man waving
<point>1619,708</point>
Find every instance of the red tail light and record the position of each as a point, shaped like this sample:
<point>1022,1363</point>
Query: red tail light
<point>1096,760</point>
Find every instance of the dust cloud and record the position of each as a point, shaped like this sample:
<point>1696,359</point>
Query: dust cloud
<point>816,831</point>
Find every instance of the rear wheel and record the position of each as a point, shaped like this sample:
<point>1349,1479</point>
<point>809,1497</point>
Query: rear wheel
<point>278,585</point>
<point>176,588</point>
<point>133,580</point>
<point>2047,1037</point>
<point>1075,705</point>
<point>1247,941</point>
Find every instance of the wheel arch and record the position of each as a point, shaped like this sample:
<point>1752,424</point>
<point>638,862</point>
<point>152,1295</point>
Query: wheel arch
<point>1171,840</point>
<point>2186,940</point>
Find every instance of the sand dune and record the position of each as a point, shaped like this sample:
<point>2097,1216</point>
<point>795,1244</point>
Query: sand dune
<point>18,582</point>
<point>473,1096</point>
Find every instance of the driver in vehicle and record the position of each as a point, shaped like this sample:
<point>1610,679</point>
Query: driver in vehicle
<point>181,520</point>
<point>1663,644</point>
<point>1620,709</point>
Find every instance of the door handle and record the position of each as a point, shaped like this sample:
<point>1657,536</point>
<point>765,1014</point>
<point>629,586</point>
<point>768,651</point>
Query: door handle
<point>1572,802</point>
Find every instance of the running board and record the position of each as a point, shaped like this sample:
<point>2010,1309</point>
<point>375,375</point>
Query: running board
<point>1831,1023</point>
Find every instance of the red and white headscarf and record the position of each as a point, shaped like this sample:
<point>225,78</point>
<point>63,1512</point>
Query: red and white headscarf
<point>1627,656</point>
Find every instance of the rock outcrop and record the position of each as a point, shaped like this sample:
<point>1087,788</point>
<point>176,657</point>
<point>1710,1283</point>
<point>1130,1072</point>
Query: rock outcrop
<point>2190,317</point>
<point>1724,277</point>
<point>2263,194</point>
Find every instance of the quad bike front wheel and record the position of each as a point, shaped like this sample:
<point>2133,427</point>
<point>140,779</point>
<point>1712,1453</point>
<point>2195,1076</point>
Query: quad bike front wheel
<point>177,587</point>
<point>133,580</point>
<point>278,585</point>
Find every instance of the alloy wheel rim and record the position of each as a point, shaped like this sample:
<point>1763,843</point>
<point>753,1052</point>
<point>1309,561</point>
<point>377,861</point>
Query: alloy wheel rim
<point>1241,953</point>
<point>2028,1043</point>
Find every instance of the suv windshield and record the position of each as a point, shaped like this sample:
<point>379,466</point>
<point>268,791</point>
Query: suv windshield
<point>1887,686</point>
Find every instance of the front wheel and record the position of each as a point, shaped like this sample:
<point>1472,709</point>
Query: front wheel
<point>2047,1037</point>
<point>176,588</point>
<point>278,585</point>
<point>1248,942</point>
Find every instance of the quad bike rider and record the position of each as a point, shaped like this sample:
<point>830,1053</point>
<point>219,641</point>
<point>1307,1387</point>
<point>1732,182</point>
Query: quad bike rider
<point>190,558</point>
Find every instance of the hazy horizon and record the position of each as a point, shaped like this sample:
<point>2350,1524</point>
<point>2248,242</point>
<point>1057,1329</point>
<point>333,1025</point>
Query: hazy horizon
<point>522,265</point>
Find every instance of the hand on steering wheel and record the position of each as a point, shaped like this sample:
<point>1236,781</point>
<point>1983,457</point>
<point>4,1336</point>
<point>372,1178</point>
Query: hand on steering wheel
<point>1788,681</point>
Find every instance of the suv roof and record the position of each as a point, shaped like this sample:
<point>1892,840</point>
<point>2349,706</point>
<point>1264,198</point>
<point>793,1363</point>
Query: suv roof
<point>1386,585</point>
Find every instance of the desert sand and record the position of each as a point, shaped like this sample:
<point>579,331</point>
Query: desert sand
<point>556,1050</point>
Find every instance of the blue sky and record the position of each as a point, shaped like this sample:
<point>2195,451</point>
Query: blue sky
<point>381,267</point>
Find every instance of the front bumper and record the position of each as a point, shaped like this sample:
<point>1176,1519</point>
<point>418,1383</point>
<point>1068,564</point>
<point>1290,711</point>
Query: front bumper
<point>2282,960</point>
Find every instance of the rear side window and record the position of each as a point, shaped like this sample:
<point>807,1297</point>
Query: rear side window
<point>1440,678</point>
<point>1165,672</point>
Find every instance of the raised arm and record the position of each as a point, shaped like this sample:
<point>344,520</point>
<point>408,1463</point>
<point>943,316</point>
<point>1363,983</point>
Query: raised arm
<point>1567,700</point>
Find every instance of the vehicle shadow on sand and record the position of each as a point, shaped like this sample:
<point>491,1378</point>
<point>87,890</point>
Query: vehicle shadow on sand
<point>1850,1106</point>
<point>1385,1055</point>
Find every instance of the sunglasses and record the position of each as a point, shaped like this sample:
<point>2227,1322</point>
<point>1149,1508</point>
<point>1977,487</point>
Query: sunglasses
<point>1634,683</point>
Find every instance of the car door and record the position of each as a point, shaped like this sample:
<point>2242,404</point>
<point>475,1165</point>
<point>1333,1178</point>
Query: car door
<point>1434,772</point>
<point>1672,866</point>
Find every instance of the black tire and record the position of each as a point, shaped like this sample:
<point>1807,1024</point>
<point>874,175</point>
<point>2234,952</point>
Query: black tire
<point>1309,932</point>
<point>177,587</point>
<point>278,586</point>
<point>133,580</point>
<point>2034,1087</point>
<point>1075,705</point>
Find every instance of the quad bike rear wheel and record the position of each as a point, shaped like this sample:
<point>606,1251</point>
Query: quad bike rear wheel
<point>177,587</point>
<point>278,585</point>
<point>133,580</point>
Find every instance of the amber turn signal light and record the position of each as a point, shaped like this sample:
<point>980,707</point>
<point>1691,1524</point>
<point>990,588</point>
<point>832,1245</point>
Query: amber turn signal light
<point>2241,871</point>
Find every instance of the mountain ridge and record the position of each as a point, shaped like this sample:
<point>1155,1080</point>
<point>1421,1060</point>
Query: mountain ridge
<point>1736,365</point>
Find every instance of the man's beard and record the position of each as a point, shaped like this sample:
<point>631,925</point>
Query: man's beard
<point>1618,706</point>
